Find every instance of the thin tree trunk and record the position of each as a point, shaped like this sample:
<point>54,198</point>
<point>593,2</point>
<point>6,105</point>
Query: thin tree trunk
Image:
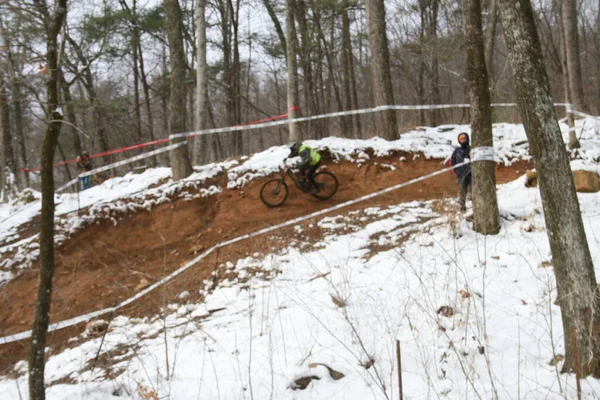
<point>44,295</point>
<point>569,18</point>
<point>490,38</point>
<point>96,105</point>
<point>386,125</point>
<point>306,62</point>
<point>485,203</point>
<point>17,114</point>
<point>346,62</point>
<point>201,147</point>
<point>353,91</point>
<point>573,141</point>
<point>573,267</point>
<point>7,162</point>
<point>70,114</point>
<point>435,71</point>
<point>146,89</point>
<point>277,24</point>
<point>180,161</point>
<point>136,74</point>
<point>330,67</point>
<point>295,133</point>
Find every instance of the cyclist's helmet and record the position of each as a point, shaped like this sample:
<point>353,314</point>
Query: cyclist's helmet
<point>294,149</point>
<point>463,139</point>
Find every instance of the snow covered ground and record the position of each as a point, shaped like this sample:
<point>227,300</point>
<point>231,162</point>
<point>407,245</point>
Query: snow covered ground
<point>474,314</point>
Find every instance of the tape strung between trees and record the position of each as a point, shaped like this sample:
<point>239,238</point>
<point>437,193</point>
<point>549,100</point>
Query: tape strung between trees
<point>119,164</point>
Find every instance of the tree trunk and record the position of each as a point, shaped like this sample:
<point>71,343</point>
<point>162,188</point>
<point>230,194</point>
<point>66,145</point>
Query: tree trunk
<point>44,296</point>
<point>278,29</point>
<point>293,100</point>
<point>235,92</point>
<point>15,84</point>
<point>435,70</point>
<point>306,62</point>
<point>380,69</point>
<point>96,105</point>
<point>485,203</point>
<point>135,39</point>
<point>201,147</point>
<point>354,105</point>
<point>573,141</point>
<point>575,278</point>
<point>70,114</point>
<point>146,88</point>
<point>569,19</point>
<point>490,38</point>
<point>180,161</point>
<point>346,62</point>
<point>7,163</point>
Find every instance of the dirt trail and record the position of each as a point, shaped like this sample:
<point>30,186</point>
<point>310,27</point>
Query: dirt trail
<point>103,264</point>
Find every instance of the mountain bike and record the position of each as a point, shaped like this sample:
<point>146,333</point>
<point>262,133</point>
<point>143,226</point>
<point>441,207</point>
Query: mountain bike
<point>274,192</point>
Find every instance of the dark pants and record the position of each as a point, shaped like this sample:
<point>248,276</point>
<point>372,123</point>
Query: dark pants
<point>85,182</point>
<point>309,172</point>
<point>464,184</point>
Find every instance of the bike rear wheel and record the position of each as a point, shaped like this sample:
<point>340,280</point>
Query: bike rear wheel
<point>273,193</point>
<point>328,184</point>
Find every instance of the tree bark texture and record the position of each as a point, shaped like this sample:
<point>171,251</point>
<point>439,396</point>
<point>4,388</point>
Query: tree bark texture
<point>573,141</point>
<point>44,296</point>
<point>569,19</point>
<point>575,278</point>
<point>180,161</point>
<point>380,69</point>
<point>485,203</point>
<point>293,99</point>
<point>201,147</point>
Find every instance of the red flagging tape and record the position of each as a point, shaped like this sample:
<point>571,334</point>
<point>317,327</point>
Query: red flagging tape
<point>155,142</point>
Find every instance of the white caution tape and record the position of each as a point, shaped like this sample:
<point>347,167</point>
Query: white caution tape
<point>581,114</point>
<point>87,317</point>
<point>66,185</point>
<point>337,114</point>
<point>121,163</point>
<point>482,153</point>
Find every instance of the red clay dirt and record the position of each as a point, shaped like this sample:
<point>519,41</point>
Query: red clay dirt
<point>103,264</point>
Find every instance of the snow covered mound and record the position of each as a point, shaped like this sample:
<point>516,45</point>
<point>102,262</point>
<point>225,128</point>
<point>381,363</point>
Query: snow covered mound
<point>475,317</point>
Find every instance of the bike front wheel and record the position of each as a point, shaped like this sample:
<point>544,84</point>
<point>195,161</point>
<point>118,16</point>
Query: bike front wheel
<point>273,193</point>
<point>327,183</point>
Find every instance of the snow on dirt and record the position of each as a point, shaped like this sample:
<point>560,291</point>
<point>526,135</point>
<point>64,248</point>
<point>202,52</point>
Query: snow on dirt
<point>475,317</point>
<point>474,314</point>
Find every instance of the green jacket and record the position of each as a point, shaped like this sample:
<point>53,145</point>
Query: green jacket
<point>309,155</point>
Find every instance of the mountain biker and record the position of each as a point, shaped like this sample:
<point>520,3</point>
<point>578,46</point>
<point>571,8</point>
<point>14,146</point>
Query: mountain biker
<point>310,159</point>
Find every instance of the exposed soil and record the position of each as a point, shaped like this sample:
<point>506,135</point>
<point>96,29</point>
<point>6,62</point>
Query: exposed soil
<point>103,264</point>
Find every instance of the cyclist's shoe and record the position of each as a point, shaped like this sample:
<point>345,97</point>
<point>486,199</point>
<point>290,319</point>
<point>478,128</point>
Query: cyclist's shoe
<point>312,190</point>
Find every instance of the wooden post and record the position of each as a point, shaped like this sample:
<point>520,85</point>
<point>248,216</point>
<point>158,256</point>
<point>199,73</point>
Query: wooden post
<point>400,395</point>
<point>576,361</point>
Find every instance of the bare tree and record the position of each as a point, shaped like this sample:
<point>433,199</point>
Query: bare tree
<point>571,36</point>
<point>52,24</point>
<point>200,142</point>
<point>295,133</point>
<point>485,203</point>
<point>380,68</point>
<point>180,161</point>
<point>573,267</point>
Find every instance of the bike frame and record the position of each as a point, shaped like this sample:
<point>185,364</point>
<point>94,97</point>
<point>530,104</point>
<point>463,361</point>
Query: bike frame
<point>288,172</point>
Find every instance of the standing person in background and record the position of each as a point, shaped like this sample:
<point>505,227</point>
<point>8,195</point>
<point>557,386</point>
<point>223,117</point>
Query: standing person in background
<point>463,173</point>
<point>84,164</point>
